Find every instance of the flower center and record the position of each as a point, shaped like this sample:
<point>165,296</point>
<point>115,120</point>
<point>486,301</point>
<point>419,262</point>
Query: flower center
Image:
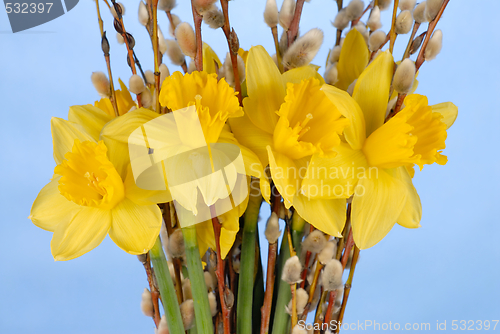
<point>89,178</point>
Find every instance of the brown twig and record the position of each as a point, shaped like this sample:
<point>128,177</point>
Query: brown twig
<point>329,309</point>
<point>167,218</point>
<point>392,33</point>
<point>347,288</point>
<point>306,264</point>
<point>153,14</point>
<point>319,310</point>
<point>294,25</point>
<point>339,31</point>
<point>274,31</point>
<point>198,58</point>
<point>416,25</point>
<point>312,289</point>
<point>348,247</point>
<point>233,44</point>
<point>154,291</point>
<point>220,273</point>
<point>432,25</point>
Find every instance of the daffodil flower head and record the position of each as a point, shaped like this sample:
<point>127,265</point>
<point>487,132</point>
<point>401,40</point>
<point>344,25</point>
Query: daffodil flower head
<point>215,100</point>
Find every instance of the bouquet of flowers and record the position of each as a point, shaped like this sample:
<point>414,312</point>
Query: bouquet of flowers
<point>175,168</point>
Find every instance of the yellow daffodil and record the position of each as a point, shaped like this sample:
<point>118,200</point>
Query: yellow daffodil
<point>215,102</point>
<point>373,164</point>
<point>288,119</point>
<point>89,197</point>
<point>124,101</point>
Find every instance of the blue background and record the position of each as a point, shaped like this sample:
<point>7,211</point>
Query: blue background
<point>446,270</point>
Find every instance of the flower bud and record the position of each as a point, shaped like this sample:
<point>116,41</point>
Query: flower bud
<point>121,9</point>
<point>434,45</point>
<point>176,243</point>
<point>404,22</point>
<point>101,83</point>
<point>142,258</point>
<point>384,4</point>
<point>187,314</point>
<point>150,80</point>
<point>335,54</point>
<point>286,13</point>
<point>360,26</point>
<point>298,329</point>
<point>212,301</point>
<point>374,22</point>
<point>136,84</point>
<point>166,5</point>
<point>404,76</point>
<point>203,5</point>
<point>341,20</point>
<point>407,4</point>
<point>209,281</point>
<point>119,38</point>
<point>174,52</point>
<point>331,74</point>
<point>214,18</point>
<point>191,67</point>
<point>292,270</point>
<point>301,296</point>
<point>354,9</point>
<point>162,43</point>
<point>415,45</point>
<point>283,44</point>
<point>419,12</point>
<point>304,49</point>
<point>143,14</point>
<point>186,289</point>
<point>271,13</point>
<point>314,242</point>
<point>163,326</point>
<point>146,98</point>
<point>350,89</point>
<point>228,69</point>
<point>164,73</point>
<point>328,252</point>
<point>176,21</point>
<point>432,7</point>
<point>284,212</point>
<point>272,232</point>
<point>184,34</point>
<point>236,265</point>
<point>376,40</point>
<point>332,275</point>
<point>147,303</point>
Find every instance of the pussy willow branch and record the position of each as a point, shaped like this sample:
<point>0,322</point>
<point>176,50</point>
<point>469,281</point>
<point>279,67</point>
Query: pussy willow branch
<point>355,21</point>
<point>197,18</point>
<point>348,285</point>
<point>392,33</point>
<point>332,295</point>
<point>112,98</point>
<point>312,289</point>
<point>306,264</point>
<point>294,25</point>
<point>339,31</point>
<point>274,31</point>
<point>230,36</point>
<point>154,291</point>
<point>153,14</point>
<point>416,25</point>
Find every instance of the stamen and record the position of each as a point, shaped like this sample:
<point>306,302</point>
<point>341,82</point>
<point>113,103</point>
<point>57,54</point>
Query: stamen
<point>94,183</point>
<point>300,128</point>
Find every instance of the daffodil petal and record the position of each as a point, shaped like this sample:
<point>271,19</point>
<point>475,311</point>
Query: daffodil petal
<point>210,59</point>
<point>353,59</point>
<point>327,215</point>
<point>284,172</point>
<point>135,227</point>
<point>64,134</point>
<point>371,91</point>
<point>142,196</point>
<point>91,118</point>
<point>50,207</point>
<point>230,227</point>
<point>265,88</point>
<point>355,132</point>
<point>377,204</point>
<point>449,112</point>
<point>334,175</point>
<point>296,75</point>
<point>205,236</point>
<point>116,133</point>
<point>251,137</point>
<point>80,234</point>
<point>412,212</point>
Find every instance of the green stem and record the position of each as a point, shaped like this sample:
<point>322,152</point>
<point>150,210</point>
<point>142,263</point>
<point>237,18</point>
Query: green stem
<point>298,224</point>
<point>247,267</point>
<point>167,290</point>
<point>198,286</point>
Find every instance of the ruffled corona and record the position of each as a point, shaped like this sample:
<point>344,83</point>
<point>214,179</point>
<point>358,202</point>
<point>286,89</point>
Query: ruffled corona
<point>215,100</point>
<point>309,122</point>
<point>416,135</point>
<point>89,178</point>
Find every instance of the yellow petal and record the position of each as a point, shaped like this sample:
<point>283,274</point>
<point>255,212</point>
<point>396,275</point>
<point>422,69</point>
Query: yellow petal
<point>353,59</point>
<point>50,207</point>
<point>80,234</point>
<point>412,212</point>
<point>230,227</point>
<point>91,118</point>
<point>116,133</point>
<point>210,59</point>
<point>124,101</point>
<point>449,112</point>
<point>327,215</point>
<point>64,134</point>
<point>378,202</point>
<point>296,75</point>
<point>135,227</point>
<point>354,133</point>
<point>265,88</point>
<point>372,90</point>
<point>334,175</point>
<point>251,137</point>
<point>142,196</point>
